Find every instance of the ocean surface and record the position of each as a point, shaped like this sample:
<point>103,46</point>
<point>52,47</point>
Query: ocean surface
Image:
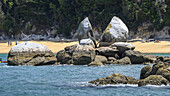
<point>65,80</point>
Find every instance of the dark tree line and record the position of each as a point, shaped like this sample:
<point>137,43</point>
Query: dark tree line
<point>65,15</point>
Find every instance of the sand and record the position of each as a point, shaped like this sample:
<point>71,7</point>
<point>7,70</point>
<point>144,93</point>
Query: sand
<point>151,47</point>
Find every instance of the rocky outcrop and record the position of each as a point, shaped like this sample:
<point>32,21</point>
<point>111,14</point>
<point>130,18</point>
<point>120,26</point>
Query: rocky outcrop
<point>77,55</point>
<point>158,69</point>
<point>29,53</point>
<point>116,31</point>
<point>115,78</point>
<point>153,80</point>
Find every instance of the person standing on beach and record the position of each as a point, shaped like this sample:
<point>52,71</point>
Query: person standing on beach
<point>16,43</point>
<point>8,43</point>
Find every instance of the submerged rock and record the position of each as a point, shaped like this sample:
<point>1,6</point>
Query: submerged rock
<point>116,31</point>
<point>115,78</point>
<point>29,53</point>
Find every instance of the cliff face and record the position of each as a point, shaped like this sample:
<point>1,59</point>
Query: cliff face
<point>146,30</point>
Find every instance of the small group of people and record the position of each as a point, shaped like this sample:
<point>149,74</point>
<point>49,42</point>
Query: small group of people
<point>10,43</point>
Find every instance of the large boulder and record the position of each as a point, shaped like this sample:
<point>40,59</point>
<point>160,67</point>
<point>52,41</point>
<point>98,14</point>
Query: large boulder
<point>145,72</point>
<point>107,51</point>
<point>153,80</point>
<point>83,29</point>
<point>125,60</point>
<point>29,53</point>
<point>123,46</point>
<point>137,57</point>
<point>115,78</point>
<point>116,31</point>
<point>159,68</point>
<point>83,55</point>
<point>77,55</point>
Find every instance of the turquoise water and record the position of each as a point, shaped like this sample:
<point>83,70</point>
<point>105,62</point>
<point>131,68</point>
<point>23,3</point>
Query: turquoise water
<point>70,81</point>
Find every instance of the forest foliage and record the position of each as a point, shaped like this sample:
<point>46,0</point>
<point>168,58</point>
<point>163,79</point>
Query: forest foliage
<point>65,15</point>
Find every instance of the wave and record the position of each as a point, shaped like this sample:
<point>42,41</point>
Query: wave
<point>86,84</point>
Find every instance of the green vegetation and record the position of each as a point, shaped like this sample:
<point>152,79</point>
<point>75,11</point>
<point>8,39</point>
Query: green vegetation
<point>65,15</point>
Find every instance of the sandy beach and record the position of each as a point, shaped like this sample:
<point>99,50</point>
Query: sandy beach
<point>151,47</point>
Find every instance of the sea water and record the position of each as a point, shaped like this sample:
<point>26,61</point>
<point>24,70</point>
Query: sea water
<point>65,80</point>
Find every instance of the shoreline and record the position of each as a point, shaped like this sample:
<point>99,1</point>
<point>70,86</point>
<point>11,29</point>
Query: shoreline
<point>157,48</point>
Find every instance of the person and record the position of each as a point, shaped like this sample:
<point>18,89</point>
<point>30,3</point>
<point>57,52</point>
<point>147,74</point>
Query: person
<point>8,43</point>
<point>0,60</point>
<point>16,43</point>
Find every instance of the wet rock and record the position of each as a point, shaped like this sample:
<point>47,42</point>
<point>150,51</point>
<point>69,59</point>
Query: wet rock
<point>125,60</point>
<point>64,57</point>
<point>145,72</point>
<point>29,53</point>
<point>153,80</point>
<point>115,78</point>
<point>100,58</point>
<point>96,63</point>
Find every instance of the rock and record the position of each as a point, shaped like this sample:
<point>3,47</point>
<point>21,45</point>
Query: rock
<point>160,58</point>
<point>116,31</point>
<point>29,53</point>
<point>83,29</point>
<point>83,55</point>
<point>25,37</point>
<point>77,55</point>
<point>153,80</point>
<point>156,67</point>
<point>100,58</point>
<point>124,60</point>
<point>150,58</point>
<point>123,46</point>
<point>64,57</point>
<point>115,78</point>
<point>96,63</point>
<point>87,42</point>
<point>145,72</point>
<point>107,51</point>
<point>112,60</point>
<point>136,57</point>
